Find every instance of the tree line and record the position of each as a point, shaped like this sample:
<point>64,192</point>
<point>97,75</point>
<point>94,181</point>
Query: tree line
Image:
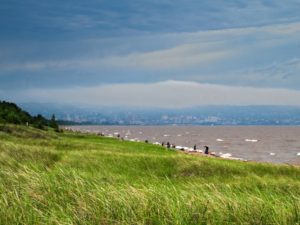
<point>13,114</point>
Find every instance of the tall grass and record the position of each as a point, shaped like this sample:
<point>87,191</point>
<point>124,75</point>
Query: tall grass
<point>73,178</point>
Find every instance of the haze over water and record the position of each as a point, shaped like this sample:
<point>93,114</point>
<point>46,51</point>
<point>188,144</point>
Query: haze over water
<point>258,143</point>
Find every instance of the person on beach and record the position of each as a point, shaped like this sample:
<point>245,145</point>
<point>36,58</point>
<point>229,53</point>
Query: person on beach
<point>163,144</point>
<point>168,145</point>
<point>206,149</point>
<point>195,147</point>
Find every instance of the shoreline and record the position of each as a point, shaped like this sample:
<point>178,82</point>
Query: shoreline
<point>179,149</point>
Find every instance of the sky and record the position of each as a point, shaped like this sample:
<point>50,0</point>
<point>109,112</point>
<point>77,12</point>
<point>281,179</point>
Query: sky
<point>154,53</point>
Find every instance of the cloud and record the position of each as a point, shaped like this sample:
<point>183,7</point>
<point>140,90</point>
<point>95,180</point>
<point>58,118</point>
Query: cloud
<point>178,57</point>
<point>278,73</point>
<point>168,94</point>
<point>239,52</point>
<point>173,50</point>
<point>249,57</point>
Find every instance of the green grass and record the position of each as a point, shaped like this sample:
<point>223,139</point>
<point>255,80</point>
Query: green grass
<point>73,178</point>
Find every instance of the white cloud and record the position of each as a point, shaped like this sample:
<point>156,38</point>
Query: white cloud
<point>177,57</point>
<point>186,50</point>
<point>170,94</point>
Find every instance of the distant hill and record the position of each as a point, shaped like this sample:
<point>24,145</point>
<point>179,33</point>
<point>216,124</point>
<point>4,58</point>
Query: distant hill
<point>12,114</point>
<point>201,115</point>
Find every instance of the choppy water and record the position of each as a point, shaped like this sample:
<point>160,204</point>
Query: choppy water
<point>259,143</point>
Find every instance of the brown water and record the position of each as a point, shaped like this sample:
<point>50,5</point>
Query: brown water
<point>258,143</point>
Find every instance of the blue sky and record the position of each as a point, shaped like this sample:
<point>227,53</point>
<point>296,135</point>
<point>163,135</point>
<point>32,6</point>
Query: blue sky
<point>135,52</point>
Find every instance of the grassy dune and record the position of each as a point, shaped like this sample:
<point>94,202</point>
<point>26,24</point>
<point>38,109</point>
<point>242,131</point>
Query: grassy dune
<point>72,178</point>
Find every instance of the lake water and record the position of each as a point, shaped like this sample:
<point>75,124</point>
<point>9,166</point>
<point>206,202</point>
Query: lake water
<point>258,143</point>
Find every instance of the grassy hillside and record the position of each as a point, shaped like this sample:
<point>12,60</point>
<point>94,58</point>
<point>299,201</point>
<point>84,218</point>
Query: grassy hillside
<point>72,178</point>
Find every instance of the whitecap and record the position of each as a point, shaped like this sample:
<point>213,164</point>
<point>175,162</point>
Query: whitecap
<point>226,155</point>
<point>272,153</point>
<point>134,139</point>
<point>219,140</point>
<point>251,140</point>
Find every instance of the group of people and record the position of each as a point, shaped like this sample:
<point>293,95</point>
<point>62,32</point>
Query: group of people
<point>169,145</point>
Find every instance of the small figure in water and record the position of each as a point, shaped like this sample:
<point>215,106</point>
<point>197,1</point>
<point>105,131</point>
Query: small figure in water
<point>206,149</point>
<point>163,144</point>
<point>168,145</point>
<point>195,147</point>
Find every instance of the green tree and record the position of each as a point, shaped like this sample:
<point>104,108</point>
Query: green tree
<point>11,113</point>
<point>13,117</point>
<point>39,122</point>
<point>53,123</point>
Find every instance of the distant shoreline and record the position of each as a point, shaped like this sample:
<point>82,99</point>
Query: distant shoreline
<point>174,125</point>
